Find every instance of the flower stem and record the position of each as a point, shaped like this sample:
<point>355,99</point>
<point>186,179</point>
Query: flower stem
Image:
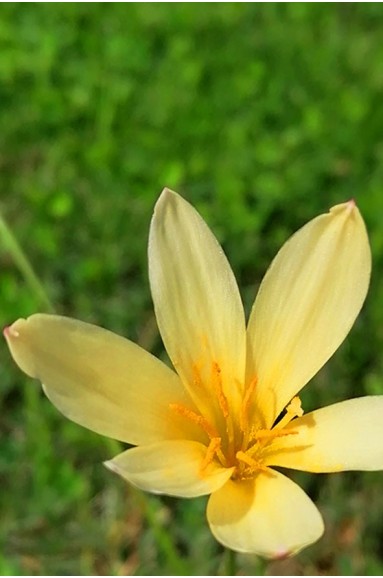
<point>165,544</point>
<point>21,261</point>
<point>230,563</point>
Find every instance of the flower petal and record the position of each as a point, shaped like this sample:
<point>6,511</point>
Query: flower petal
<point>197,303</point>
<point>269,515</point>
<point>171,467</point>
<point>100,380</point>
<point>343,436</point>
<point>306,305</point>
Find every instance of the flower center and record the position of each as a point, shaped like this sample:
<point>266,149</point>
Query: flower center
<point>234,441</point>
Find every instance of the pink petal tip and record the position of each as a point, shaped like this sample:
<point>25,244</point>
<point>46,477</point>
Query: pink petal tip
<point>9,331</point>
<point>281,554</point>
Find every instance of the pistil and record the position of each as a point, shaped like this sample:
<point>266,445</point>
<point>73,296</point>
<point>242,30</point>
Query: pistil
<point>294,409</point>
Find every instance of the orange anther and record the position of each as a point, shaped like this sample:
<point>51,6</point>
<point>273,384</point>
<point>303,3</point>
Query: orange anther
<point>195,418</point>
<point>212,450</point>
<point>254,464</point>
<point>267,434</point>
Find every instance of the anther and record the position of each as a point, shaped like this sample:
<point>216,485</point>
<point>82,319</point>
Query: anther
<point>212,450</point>
<point>254,464</point>
<point>195,418</point>
<point>267,434</point>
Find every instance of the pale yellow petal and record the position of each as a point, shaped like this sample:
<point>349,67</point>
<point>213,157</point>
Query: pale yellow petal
<point>171,467</point>
<point>197,304</point>
<point>306,305</point>
<point>269,515</point>
<point>100,380</point>
<point>343,436</point>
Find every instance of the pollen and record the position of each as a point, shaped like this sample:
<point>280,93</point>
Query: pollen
<point>212,451</point>
<point>196,418</point>
<point>248,467</point>
<point>270,434</point>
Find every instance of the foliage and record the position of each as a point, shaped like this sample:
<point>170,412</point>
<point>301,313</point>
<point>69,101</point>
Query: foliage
<point>263,115</point>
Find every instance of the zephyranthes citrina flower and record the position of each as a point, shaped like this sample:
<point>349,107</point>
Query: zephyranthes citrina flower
<point>229,412</point>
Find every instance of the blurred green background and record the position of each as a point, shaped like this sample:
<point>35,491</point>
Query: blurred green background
<point>263,116</point>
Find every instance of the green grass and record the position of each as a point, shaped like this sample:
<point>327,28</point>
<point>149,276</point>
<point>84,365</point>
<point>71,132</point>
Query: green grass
<point>263,116</point>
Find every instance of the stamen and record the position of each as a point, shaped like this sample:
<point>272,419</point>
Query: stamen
<point>269,434</point>
<point>195,418</point>
<point>266,435</point>
<point>254,464</point>
<point>213,448</point>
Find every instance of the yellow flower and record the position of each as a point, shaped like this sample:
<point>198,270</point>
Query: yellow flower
<point>230,411</point>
